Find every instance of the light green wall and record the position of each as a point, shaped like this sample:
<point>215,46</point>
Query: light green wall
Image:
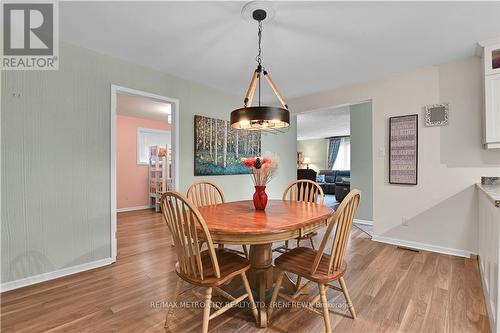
<point>362,157</point>
<point>55,140</point>
<point>316,149</point>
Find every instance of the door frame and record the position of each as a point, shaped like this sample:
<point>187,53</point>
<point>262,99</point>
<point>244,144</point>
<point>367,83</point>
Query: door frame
<point>349,104</point>
<point>115,89</point>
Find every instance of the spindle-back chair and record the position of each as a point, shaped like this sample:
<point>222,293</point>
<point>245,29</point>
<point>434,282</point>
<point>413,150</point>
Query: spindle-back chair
<point>307,191</point>
<point>204,193</point>
<point>328,263</point>
<point>209,268</point>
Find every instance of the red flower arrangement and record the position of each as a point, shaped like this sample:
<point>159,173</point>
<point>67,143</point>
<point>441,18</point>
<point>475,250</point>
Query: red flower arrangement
<point>263,169</point>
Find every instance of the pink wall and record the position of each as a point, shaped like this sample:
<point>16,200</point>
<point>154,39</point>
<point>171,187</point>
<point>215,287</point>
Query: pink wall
<point>132,178</point>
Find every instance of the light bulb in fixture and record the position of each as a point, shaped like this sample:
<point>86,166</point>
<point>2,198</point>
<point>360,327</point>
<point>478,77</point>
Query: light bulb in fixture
<point>244,123</point>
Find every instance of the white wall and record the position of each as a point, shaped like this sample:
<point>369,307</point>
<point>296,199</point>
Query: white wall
<point>441,210</point>
<point>55,140</point>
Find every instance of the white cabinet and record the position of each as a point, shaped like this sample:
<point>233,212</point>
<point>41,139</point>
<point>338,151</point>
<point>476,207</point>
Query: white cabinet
<point>491,57</point>
<point>489,254</point>
<point>491,72</point>
<point>492,111</point>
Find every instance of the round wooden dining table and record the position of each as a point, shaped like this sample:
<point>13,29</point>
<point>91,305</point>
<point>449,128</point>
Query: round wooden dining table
<point>236,223</point>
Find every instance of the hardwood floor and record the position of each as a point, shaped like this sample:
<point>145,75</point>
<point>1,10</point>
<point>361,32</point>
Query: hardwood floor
<point>392,290</point>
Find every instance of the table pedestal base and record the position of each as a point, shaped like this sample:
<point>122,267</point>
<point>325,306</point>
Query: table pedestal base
<point>261,277</point>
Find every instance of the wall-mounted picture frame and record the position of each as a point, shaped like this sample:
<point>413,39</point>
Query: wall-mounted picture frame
<point>437,114</point>
<point>218,148</point>
<point>403,150</point>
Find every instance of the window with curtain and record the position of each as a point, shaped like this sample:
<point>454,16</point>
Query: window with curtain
<point>147,137</point>
<point>343,160</point>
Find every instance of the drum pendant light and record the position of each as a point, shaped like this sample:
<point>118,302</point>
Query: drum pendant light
<point>260,117</point>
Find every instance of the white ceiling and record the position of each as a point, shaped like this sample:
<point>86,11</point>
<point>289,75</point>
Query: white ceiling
<point>142,107</point>
<point>307,47</point>
<point>323,123</point>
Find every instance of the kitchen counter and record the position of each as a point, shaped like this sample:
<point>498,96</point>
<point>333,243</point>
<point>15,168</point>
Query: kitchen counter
<point>492,192</point>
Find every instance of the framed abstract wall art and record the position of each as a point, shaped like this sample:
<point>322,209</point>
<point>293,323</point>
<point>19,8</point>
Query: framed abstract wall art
<point>218,149</point>
<point>403,149</point>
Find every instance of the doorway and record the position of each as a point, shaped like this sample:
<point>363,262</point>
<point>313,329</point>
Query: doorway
<point>336,143</point>
<point>323,144</point>
<point>144,126</point>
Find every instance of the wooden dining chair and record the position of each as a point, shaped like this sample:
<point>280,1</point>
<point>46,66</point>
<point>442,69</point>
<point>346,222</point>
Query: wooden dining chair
<point>321,266</point>
<point>307,191</point>
<point>210,268</point>
<point>204,193</point>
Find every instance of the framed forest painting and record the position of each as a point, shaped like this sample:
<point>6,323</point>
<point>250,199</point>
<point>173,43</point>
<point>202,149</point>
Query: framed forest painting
<point>218,148</point>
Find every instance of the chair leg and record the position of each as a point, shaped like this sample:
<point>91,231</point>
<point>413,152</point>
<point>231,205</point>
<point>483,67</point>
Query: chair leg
<point>206,310</point>
<point>276,290</point>
<point>245,250</point>
<point>324,306</point>
<point>176,296</point>
<point>347,297</point>
<point>297,284</point>
<point>250,296</point>
<point>286,246</point>
<point>221,246</point>
<point>312,243</point>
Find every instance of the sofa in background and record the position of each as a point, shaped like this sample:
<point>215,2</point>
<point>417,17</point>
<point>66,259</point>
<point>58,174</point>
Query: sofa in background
<point>342,189</point>
<point>328,180</point>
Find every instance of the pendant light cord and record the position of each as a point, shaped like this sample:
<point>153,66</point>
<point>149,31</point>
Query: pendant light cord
<point>258,58</point>
<point>259,55</point>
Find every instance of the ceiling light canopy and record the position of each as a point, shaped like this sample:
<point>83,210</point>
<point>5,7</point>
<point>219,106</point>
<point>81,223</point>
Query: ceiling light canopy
<point>260,117</point>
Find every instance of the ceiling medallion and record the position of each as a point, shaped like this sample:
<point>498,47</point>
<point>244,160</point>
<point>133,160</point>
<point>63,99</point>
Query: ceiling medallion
<point>260,117</point>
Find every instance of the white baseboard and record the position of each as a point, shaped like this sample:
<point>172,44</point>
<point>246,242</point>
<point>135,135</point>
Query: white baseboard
<point>54,274</point>
<point>423,246</point>
<point>365,222</point>
<point>129,209</point>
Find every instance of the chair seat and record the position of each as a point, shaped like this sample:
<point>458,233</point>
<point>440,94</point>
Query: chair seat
<point>230,265</point>
<point>300,260</point>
